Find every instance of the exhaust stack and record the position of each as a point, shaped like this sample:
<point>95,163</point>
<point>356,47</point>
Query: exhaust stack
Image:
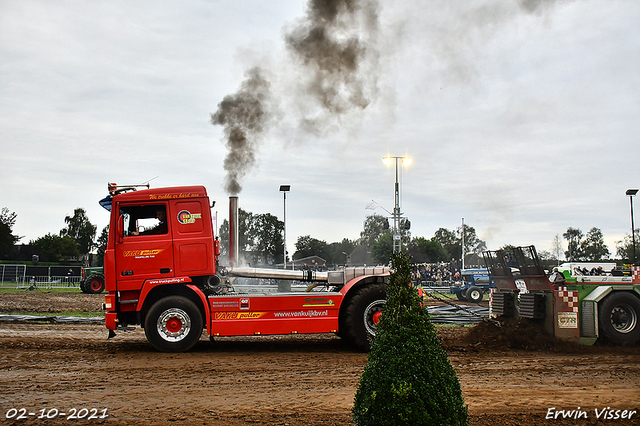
<point>233,232</point>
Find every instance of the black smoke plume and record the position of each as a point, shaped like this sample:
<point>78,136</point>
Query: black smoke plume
<point>245,116</point>
<point>330,46</point>
<point>334,44</point>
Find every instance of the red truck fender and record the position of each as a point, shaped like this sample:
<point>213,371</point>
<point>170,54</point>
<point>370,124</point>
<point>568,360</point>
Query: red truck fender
<point>205,304</point>
<point>348,286</point>
<point>151,284</point>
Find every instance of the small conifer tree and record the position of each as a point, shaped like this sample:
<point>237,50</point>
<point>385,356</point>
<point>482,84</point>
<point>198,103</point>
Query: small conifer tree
<point>408,379</point>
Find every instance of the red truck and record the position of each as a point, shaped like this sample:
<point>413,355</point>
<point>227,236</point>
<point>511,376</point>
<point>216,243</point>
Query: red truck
<point>166,278</point>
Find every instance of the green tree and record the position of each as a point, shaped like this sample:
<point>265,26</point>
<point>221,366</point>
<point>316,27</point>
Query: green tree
<point>54,248</point>
<point>408,379</point>
<point>449,241</point>
<point>260,237</point>
<point>593,247</point>
<point>472,243</point>
<point>374,227</point>
<point>590,247</point>
<point>244,220</point>
<point>573,237</point>
<point>81,230</point>
<point>382,249</point>
<point>101,244</point>
<point>307,246</point>
<point>7,239</point>
<point>624,247</point>
<point>338,250</point>
<point>422,250</point>
<point>265,237</point>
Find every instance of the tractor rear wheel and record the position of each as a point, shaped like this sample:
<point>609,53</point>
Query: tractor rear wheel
<point>474,294</point>
<point>362,314</point>
<point>93,284</point>
<point>619,316</point>
<point>173,324</point>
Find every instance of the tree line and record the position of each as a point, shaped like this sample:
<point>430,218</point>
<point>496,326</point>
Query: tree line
<point>75,242</point>
<point>261,242</point>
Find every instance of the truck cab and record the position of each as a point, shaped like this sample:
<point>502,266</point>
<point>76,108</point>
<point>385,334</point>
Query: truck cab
<point>143,246</point>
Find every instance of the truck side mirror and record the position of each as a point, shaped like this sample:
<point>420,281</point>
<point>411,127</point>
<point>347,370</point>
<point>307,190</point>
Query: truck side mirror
<point>120,230</point>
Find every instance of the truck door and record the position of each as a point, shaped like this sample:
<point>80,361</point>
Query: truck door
<point>192,237</point>
<point>144,248</point>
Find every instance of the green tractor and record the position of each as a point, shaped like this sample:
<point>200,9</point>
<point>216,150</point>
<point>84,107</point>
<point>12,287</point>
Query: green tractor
<point>93,281</point>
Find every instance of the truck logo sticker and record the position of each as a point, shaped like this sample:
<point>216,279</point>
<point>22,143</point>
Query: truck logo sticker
<point>317,302</point>
<point>185,217</point>
<point>223,303</point>
<point>238,315</point>
<point>567,319</point>
<point>168,281</point>
<point>141,254</point>
<point>174,196</point>
<point>297,314</point>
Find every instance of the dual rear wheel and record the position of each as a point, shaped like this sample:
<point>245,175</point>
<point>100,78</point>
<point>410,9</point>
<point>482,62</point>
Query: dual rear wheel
<point>362,315</point>
<point>619,316</point>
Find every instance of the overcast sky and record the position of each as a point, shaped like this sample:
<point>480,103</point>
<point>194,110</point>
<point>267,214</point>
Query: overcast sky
<point>523,117</point>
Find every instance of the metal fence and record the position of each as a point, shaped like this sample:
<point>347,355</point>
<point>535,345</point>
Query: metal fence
<point>15,276</point>
<point>12,275</point>
<point>52,282</point>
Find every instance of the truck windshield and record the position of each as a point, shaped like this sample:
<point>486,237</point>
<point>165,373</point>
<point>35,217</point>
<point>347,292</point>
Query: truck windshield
<point>145,220</point>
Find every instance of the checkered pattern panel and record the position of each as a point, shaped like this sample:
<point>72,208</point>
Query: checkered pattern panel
<point>569,298</point>
<point>635,271</point>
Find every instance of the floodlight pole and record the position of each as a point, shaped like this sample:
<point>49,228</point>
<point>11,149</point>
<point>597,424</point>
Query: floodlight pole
<point>631,193</point>
<point>284,189</point>
<point>397,237</point>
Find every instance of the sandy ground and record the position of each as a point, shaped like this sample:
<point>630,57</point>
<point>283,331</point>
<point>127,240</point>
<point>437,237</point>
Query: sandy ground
<point>301,380</point>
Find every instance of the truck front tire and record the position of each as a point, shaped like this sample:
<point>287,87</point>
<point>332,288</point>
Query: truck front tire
<point>619,317</point>
<point>173,324</point>
<point>362,315</point>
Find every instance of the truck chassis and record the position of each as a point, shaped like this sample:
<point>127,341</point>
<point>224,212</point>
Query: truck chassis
<point>167,280</point>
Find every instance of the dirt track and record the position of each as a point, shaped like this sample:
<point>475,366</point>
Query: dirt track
<point>302,380</point>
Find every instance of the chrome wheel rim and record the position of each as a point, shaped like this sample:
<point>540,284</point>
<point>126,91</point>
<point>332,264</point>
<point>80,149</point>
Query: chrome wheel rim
<point>372,315</point>
<point>174,325</point>
<point>623,318</point>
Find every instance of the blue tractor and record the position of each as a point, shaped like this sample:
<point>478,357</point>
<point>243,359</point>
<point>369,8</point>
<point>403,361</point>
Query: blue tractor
<point>473,284</point>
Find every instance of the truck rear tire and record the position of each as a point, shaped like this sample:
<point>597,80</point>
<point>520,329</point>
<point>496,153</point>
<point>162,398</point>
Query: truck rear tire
<point>93,284</point>
<point>362,315</point>
<point>619,316</point>
<point>474,294</point>
<point>173,324</point>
